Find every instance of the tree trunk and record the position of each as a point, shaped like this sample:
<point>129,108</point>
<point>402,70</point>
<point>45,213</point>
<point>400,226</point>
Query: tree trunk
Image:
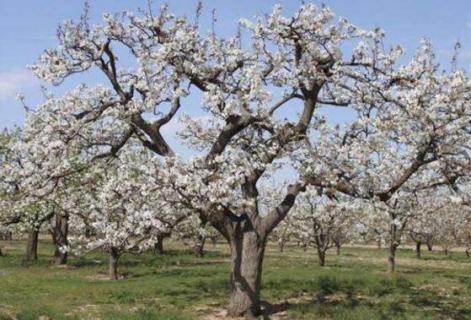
<point>114,258</point>
<point>247,250</point>
<point>60,233</point>
<point>321,255</point>
<point>392,258</point>
<point>32,245</point>
<point>418,245</point>
<point>159,245</point>
<point>198,247</point>
<point>429,246</point>
<point>281,245</point>
<point>337,249</point>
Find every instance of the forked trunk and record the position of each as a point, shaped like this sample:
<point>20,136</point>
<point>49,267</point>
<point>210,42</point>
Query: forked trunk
<point>32,245</point>
<point>61,231</point>
<point>114,258</point>
<point>418,245</point>
<point>247,250</point>
<point>198,247</point>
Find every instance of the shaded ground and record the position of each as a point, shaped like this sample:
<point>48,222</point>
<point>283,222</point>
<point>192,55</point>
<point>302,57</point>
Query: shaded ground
<point>177,285</point>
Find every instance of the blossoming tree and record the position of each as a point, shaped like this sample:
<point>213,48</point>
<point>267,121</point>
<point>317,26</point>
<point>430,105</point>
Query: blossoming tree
<point>261,102</point>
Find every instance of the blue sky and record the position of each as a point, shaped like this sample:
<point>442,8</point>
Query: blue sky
<point>28,27</point>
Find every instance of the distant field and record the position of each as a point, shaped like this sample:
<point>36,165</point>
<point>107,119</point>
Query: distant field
<point>177,285</point>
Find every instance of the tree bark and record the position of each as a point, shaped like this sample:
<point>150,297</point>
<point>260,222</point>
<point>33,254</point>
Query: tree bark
<point>32,245</point>
<point>378,244</point>
<point>60,234</point>
<point>321,255</point>
<point>429,246</point>
<point>159,245</point>
<point>247,250</point>
<point>392,258</point>
<point>337,249</point>
<point>114,259</point>
<point>418,245</point>
<point>198,247</point>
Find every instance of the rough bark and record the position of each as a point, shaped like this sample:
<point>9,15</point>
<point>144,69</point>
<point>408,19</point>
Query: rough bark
<point>247,250</point>
<point>321,255</point>
<point>59,237</point>
<point>114,259</point>
<point>32,245</point>
<point>418,245</point>
<point>159,245</point>
<point>392,258</point>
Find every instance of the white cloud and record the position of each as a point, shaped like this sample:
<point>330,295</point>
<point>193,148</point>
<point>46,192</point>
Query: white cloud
<point>15,81</point>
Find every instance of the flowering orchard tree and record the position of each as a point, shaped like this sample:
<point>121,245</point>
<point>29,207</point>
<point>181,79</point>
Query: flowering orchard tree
<point>424,226</point>
<point>120,207</point>
<point>19,211</point>
<point>194,233</point>
<point>261,98</point>
<point>322,221</point>
<point>452,219</point>
<point>412,133</point>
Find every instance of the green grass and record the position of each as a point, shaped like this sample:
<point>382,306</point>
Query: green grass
<point>177,285</point>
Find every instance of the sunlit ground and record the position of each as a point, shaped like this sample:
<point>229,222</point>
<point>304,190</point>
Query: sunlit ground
<point>177,285</point>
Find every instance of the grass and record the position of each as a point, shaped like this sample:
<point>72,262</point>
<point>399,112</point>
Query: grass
<point>177,285</point>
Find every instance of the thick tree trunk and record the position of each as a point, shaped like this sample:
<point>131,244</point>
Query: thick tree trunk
<point>61,231</point>
<point>32,245</point>
<point>114,258</point>
<point>159,245</point>
<point>418,245</point>
<point>392,258</point>
<point>321,255</point>
<point>247,251</point>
